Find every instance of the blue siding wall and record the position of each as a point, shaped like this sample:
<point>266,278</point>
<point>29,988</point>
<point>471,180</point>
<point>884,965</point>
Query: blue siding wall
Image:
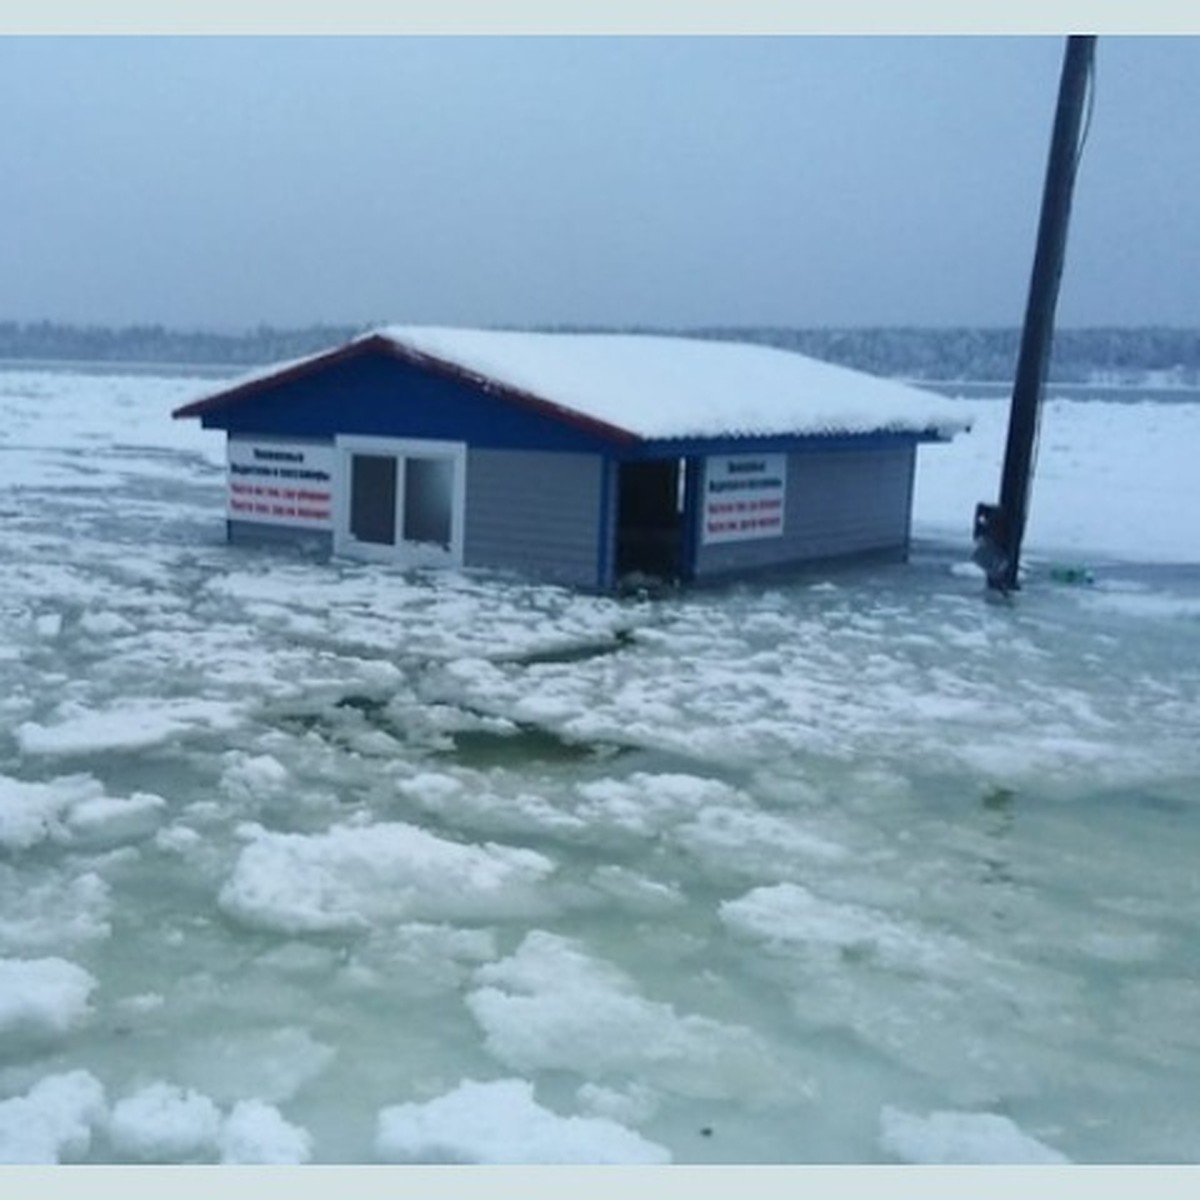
<point>536,513</point>
<point>379,396</point>
<point>836,504</point>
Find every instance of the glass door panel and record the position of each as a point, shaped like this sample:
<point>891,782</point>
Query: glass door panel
<point>373,499</point>
<point>429,501</point>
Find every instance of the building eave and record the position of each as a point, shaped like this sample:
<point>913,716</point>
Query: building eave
<point>795,442</point>
<point>377,344</point>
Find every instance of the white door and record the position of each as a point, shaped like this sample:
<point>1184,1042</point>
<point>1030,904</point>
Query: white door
<point>400,501</point>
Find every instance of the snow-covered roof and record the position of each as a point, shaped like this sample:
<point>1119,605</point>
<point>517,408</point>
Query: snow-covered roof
<point>654,386</point>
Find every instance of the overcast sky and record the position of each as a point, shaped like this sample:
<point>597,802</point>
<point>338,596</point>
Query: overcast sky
<point>810,181</point>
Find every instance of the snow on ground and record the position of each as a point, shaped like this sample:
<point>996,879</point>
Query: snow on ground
<point>323,862</point>
<point>1111,479</point>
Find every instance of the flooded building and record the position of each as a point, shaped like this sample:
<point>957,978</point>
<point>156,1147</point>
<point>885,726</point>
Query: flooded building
<point>583,459</point>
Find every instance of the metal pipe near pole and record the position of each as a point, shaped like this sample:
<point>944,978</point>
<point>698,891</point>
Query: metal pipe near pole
<point>1000,528</point>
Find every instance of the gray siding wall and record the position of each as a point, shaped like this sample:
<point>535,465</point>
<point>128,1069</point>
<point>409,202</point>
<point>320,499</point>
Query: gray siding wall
<point>535,512</point>
<point>838,503</point>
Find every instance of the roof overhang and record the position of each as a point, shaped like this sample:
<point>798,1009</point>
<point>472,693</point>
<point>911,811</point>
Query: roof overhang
<point>803,443</point>
<point>620,441</point>
<point>376,345</point>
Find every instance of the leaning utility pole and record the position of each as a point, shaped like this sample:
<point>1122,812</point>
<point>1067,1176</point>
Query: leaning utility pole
<point>999,528</point>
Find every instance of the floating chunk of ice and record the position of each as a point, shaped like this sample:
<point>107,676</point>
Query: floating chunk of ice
<point>72,809</point>
<point>645,804</point>
<point>273,1066</point>
<point>105,624</point>
<point>55,913</point>
<point>630,1106</point>
<point>756,843</point>
<point>500,1122</point>
<point>789,918</point>
<point>32,812</point>
<point>960,1137</point>
<point>53,1121</point>
<point>42,996</point>
<point>49,625</point>
<point>249,777</point>
<point>165,1123</point>
<point>108,820</point>
<point>352,876</point>
<point>134,724</point>
<point>256,1132</point>
<point>552,1007</point>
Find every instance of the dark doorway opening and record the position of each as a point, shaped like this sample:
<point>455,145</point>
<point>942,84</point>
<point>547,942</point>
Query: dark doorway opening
<point>373,498</point>
<point>650,520</point>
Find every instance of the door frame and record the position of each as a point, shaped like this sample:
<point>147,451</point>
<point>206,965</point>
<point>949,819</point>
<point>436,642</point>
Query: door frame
<point>661,531</point>
<point>401,449</point>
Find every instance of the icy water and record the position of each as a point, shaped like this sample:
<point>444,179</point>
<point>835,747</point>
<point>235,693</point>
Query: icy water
<point>323,862</point>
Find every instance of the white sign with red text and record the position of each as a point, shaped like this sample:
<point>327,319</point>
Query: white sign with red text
<point>743,497</point>
<point>281,483</point>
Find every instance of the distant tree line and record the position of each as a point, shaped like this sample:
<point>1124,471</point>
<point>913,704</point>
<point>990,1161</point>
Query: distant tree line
<point>934,354</point>
<point>1079,355</point>
<point>51,341</point>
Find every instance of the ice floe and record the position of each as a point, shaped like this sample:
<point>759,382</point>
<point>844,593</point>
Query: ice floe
<point>960,1137</point>
<point>255,1132</point>
<point>134,723</point>
<point>53,1121</point>
<point>352,876</point>
<point>75,811</point>
<point>552,1006</point>
<point>162,1122</point>
<point>501,1122</point>
<point>42,997</point>
<point>61,910</point>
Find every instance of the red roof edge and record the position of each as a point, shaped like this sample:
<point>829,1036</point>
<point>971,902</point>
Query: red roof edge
<point>377,343</point>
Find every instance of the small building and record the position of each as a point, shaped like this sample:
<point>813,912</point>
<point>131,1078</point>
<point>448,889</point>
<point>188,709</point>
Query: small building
<point>582,459</point>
